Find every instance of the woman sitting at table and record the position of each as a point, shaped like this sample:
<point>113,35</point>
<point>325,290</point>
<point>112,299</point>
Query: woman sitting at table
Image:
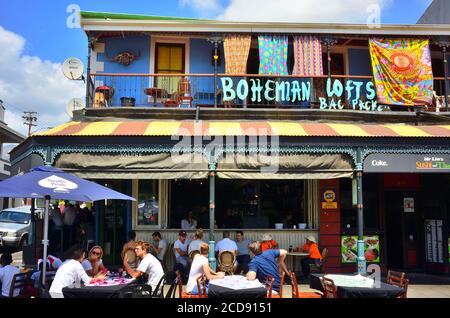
<point>200,266</point>
<point>93,265</point>
<point>149,265</point>
<point>70,274</point>
<point>314,257</point>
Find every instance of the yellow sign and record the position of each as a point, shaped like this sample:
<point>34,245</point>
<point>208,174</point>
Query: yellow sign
<point>330,200</point>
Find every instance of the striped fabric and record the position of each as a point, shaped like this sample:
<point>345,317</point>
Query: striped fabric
<point>236,48</point>
<point>308,56</point>
<point>242,128</point>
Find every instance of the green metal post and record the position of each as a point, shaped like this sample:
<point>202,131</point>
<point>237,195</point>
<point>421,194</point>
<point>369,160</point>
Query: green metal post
<point>212,208</point>
<point>359,173</point>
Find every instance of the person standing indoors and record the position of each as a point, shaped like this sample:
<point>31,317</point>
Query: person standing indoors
<point>71,274</point>
<point>243,257</point>
<point>270,262</point>
<point>148,265</point>
<point>200,266</point>
<point>189,223</point>
<point>314,257</point>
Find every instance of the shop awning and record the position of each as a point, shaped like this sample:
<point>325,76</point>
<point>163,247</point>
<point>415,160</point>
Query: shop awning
<point>242,128</point>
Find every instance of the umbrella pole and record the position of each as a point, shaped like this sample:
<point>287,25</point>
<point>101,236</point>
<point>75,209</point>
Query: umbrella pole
<point>45,240</point>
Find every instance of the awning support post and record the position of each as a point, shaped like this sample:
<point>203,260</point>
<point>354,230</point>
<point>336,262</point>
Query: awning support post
<point>360,206</point>
<point>212,208</point>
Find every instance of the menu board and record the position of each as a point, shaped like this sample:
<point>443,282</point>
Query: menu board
<point>433,241</point>
<point>349,248</point>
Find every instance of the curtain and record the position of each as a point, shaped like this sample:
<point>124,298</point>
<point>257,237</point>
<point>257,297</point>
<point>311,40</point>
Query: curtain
<point>402,71</point>
<point>236,48</point>
<point>273,52</point>
<point>308,56</point>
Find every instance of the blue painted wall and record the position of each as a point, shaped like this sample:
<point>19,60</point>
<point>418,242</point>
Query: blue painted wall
<point>359,64</point>
<point>127,86</point>
<point>200,62</point>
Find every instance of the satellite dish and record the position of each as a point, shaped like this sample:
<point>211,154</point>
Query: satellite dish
<point>73,68</point>
<point>74,104</point>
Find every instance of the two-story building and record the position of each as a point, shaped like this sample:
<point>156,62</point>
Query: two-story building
<point>273,127</point>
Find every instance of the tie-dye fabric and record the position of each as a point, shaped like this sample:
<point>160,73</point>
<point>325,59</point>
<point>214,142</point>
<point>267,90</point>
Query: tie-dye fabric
<point>273,52</point>
<point>236,48</point>
<point>308,56</point>
<point>402,71</point>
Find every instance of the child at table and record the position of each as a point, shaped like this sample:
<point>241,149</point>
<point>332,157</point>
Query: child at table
<point>200,266</point>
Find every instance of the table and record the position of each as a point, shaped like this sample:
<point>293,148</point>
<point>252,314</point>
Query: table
<point>356,286</point>
<point>155,92</point>
<point>293,256</point>
<point>110,288</point>
<point>236,286</point>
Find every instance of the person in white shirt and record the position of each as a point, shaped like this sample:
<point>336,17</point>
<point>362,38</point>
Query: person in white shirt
<point>149,265</point>
<point>70,274</point>
<point>189,223</point>
<point>159,246</point>
<point>7,272</point>
<point>200,266</point>
<point>195,244</point>
<point>180,248</point>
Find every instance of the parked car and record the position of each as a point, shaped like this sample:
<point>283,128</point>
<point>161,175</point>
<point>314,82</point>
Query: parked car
<point>15,226</point>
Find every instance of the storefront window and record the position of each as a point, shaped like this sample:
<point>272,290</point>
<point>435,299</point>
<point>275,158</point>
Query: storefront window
<point>148,205</point>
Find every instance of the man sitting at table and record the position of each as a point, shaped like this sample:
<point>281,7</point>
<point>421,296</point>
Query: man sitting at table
<point>314,257</point>
<point>200,266</point>
<point>7,272</point>
<point>270,262</point>
<point>149,265</point>
<point>70,274</point>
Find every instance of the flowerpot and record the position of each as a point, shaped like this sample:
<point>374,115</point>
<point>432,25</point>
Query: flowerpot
<point>127,101</point>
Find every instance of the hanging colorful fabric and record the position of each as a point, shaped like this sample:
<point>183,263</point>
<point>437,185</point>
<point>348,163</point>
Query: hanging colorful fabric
<point>236,48</point>
<point>273,51</point>
<point>402,71</point>
<point>308,56</point>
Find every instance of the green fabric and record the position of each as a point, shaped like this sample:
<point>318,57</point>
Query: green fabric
<point>125,16</point>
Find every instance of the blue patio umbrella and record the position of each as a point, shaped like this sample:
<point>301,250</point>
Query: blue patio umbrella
<point>51,183</point>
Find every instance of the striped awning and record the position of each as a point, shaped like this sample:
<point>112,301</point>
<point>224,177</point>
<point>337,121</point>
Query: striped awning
<point>242,128</point>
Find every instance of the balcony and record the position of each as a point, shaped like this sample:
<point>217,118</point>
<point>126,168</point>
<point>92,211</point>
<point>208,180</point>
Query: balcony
<point>341,92</point>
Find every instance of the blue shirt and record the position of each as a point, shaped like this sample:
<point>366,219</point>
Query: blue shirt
<point>243,247</point>
<point>266,264</point>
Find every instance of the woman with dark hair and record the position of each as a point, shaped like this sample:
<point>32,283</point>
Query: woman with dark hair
<point>7,272</point>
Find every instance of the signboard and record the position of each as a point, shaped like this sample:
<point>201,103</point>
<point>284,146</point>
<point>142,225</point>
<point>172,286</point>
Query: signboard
<point>433,241</point>
<point>408,204</point>
<point>356,95</point>
<point>329,201</point>
<point>349,249</point>
<point>429,163</point>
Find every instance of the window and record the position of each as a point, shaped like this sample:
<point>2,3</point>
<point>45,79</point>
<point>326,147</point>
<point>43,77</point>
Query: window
<point>148,205</point>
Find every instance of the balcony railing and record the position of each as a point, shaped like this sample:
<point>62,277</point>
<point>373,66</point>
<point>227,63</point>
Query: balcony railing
<point>240,91</point>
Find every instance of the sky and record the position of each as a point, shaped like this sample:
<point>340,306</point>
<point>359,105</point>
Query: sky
<point>36,36</point>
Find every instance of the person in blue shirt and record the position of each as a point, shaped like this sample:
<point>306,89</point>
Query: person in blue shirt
<point>270,262</point>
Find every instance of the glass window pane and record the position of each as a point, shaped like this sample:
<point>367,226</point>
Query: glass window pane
<point>148,205</point>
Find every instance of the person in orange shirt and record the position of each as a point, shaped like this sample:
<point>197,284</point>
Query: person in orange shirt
<point>268,243</point>
<point>314,257</point>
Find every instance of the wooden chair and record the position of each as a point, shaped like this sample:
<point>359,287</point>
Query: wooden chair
<point>297,294</point>
<point>269,285</point>
<point>181,293</point>
<point>226,262</point>
<point>329,288</point>
<point>201,287</point>
<point>319,268</point>
<point>398,279</point>
<point>18,282</point>
<point>280,294</point>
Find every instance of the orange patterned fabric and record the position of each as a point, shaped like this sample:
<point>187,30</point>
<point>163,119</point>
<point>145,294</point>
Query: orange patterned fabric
<point>237,48</point>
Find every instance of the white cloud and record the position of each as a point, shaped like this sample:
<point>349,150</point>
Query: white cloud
<point>32,84</point>
<point>337,11</point>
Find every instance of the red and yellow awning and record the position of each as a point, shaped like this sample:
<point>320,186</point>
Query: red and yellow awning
<point>242,128</point>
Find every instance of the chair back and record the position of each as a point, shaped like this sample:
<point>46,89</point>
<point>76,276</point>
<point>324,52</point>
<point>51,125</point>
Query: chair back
<point>49,276</point>
<point>281,284</point>
<point>173,287</point>
<point>329,288</point>
<point>398,279</point>
<point>226,261</point>
<point>167,256</point>
<point>159,289</point>
<point>18,283</point>
<point>193,253</point>
<point>201,286</point>
<point>294,284</point>
<point>269,285</point>
<point>180,283</point>
<point>184,86</point>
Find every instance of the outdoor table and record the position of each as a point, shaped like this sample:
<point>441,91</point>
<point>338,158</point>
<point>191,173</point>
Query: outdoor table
<point>109,288</point>
<point>155,92</point>
<point>294,256</point>
<point>356,286</point>
<point>236,286</point>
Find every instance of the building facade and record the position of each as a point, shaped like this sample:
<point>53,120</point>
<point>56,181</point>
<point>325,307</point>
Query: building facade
<point>273,127</point>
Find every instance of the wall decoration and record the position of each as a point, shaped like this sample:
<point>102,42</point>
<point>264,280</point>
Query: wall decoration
<point>125,58</point>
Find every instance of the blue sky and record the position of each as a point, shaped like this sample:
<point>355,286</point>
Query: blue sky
<point>35,39</point>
